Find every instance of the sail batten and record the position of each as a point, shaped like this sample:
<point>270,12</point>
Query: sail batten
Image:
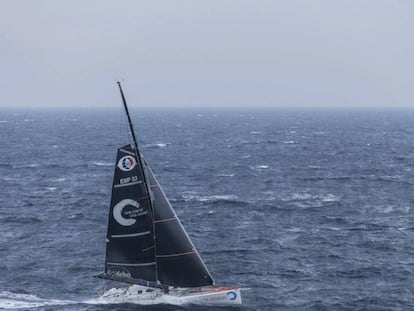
<point>131,235</point>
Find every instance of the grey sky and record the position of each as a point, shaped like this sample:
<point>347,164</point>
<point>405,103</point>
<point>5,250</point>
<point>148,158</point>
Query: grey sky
<point>207,53</point>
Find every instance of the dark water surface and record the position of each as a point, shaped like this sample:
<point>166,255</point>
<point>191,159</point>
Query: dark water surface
<point>313,210</point>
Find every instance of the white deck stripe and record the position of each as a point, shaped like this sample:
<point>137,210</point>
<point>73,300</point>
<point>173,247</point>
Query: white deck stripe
<point>131,264</point>
<point>128,184</point>
<point>130,235</point>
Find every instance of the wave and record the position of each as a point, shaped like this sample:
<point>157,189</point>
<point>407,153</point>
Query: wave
<point>22,219</point>
<point>102,163</point>
<point>9,300</point>
<point>310,197</point>
<point>224,175</point>
<point>191,197</point>
<point>158,145</point>
<point>259,167</point>
<point>29,165</point>
<point>246,156</point>
<point>381,178</point>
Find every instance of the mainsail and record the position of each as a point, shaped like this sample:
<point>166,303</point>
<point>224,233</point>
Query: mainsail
<point>146,241</point>
<point>130,238</point>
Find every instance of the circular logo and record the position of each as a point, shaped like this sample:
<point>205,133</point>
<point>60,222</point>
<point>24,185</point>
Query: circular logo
<point>127,163</point>
<point>232,295</point>
<point>127,218</point>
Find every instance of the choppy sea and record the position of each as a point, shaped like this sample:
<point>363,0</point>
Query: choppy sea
<point>310,209</point>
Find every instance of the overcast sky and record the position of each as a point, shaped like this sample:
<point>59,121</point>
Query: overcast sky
<point>207,53</point>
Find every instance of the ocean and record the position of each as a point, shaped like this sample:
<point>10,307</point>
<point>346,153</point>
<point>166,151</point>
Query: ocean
<point>311,209</point>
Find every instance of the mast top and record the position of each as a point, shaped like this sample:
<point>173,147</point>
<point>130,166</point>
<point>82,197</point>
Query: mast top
<point>131,127</point>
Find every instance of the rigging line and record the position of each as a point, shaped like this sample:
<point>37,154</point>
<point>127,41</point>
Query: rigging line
<point>175,255</point>
<point>165,220</point>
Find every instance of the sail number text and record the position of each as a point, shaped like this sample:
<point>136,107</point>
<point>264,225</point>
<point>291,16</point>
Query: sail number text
<point>128,180</point>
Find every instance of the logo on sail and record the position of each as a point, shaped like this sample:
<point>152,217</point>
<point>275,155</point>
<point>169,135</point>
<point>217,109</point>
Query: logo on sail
<point>120,272</point>
<point>126,212</point>
<point>127,163</point>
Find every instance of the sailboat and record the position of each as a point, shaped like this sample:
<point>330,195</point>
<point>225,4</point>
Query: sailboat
<point>147,247</point>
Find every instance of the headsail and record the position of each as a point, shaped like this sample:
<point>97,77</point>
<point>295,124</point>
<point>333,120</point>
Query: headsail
<point>178,261</point>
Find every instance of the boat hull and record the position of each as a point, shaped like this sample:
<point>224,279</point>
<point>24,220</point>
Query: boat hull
<point>218,297</point>
<point>208,295</point>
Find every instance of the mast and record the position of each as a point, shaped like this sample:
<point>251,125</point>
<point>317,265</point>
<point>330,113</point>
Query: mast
<point>138,156</point>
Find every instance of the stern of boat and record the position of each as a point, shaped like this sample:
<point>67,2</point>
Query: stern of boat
<point>212,295</point>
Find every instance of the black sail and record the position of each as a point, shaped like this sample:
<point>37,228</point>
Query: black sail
<point>178,262</point>
<point>130,251</point>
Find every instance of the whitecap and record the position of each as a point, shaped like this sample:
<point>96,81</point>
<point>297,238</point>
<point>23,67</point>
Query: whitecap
<point>51,188</point>
<point>157,145</point>
<point>299,197</point>
<point>9,300</point>
<point>209,198</point>
<point>259,167</point>
<point>329,198</point>
<point>225,175</point>
<point>246,156</point>
<point>30,165</point>
<point>102,164</point>
<point>295,229</point>
<point>289,142</point>
<point>334,228</point>
<point>4,121</point>
<point>309,197</point>
<point>255,132</point>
